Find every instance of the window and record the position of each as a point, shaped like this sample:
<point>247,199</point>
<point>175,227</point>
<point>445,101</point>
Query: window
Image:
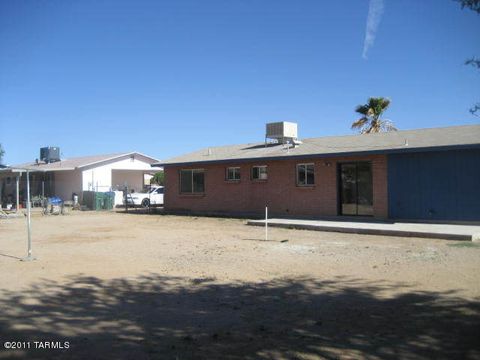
<point>159,191</point>
<point>233,173</point>
<point>305,175</point>
<point>192,181</point>
<point>259,172</point>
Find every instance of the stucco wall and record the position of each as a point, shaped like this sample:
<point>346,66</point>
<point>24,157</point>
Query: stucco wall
<point>66,183</point>
<point>280,191</point>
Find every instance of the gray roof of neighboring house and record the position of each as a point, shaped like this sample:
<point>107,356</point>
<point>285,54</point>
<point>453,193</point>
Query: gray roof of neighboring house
<point>80,162</point>
<point>396,141</point>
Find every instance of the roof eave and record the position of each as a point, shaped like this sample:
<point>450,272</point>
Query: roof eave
<point>116,157</point>
<point>20,169</point>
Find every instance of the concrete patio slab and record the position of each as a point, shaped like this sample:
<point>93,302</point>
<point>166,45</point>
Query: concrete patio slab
<point>424,230</point>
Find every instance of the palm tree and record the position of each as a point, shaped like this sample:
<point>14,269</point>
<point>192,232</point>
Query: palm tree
<point>371,122</point>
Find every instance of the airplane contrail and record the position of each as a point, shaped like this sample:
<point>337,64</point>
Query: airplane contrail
<point>375,12</point>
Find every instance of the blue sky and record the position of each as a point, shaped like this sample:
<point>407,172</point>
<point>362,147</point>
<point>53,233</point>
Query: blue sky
<point>169,77</point>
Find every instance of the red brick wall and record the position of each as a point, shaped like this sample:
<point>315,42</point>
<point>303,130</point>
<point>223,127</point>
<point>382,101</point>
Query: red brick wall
<point>280,191</point>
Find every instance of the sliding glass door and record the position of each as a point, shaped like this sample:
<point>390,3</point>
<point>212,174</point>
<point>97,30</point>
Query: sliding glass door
<point>355,188</point>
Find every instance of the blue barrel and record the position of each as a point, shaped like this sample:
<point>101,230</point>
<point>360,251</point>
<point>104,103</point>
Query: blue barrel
<point>55,200</point>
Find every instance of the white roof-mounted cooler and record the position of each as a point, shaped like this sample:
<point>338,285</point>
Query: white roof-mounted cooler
<point>283,132</point>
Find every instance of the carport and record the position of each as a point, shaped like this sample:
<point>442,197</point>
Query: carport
<point>133,178</point>
<point>13,182</point>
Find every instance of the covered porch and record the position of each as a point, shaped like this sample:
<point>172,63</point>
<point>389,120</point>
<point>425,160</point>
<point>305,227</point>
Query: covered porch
<point>13,184</point>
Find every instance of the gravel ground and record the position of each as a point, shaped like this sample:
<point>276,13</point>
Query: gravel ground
<point>136,286</point>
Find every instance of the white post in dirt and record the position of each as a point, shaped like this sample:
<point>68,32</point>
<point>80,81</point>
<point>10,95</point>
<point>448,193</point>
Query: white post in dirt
<point>266,223</point>
<point>29,225</point>
<point>18,192</point>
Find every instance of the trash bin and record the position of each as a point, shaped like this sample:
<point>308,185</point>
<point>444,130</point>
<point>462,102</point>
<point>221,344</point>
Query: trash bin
<point>109,200</point>
<point>99,201</point>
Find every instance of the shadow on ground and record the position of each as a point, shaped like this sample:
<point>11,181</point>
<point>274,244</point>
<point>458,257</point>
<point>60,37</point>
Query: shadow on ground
<point>177,318</point>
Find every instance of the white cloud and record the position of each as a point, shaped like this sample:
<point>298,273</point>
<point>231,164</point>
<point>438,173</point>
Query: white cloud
<point>375,12</point>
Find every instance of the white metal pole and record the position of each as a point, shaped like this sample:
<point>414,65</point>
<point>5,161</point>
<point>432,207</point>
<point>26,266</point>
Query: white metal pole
<point>29,217</point>
<point>18,192</point>
<point>29,225</point>
<point>266,223</point>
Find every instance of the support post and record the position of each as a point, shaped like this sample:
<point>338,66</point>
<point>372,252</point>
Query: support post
<point>266,223</point>
<point>17,183</point>
<point>29,224</point>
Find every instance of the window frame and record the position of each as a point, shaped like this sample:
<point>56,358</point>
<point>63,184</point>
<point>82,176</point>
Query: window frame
<point>259,166</point>
<point>306,177</point>
<point>192,171</point>
<point>238,172</point>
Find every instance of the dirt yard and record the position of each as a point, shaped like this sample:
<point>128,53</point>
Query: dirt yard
<point>113,285</point>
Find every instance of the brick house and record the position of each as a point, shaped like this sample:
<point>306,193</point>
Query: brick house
<point>427,174</point>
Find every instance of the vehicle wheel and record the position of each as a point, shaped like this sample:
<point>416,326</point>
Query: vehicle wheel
<point>145,203</point>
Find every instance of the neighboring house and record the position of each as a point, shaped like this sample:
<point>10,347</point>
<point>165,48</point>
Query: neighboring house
<point>74,175</point>
<point>426,174</point>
